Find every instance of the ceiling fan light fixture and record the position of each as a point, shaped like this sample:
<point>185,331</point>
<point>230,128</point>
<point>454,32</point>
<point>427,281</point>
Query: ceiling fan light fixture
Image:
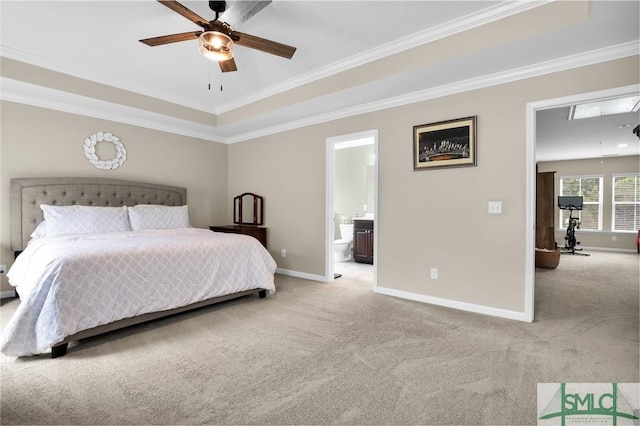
<point>216,46</point>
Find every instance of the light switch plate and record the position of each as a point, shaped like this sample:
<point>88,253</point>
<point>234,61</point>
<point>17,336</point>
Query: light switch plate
<point>495,207</point>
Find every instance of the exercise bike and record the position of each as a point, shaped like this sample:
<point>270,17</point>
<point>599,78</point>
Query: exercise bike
<point>571,203</point>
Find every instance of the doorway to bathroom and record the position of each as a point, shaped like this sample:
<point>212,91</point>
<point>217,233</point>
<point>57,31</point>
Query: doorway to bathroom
<point>351,202</point>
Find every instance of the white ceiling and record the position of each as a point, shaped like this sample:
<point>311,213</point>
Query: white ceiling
<point>558,138</point>
<point>98,41</point>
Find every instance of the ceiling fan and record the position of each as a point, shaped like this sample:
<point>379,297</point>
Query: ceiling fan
<point>218,38</point>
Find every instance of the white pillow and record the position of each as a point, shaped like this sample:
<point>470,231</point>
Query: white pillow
<point>84,219</point>
<point>152,216</point>
<point>40,231</point>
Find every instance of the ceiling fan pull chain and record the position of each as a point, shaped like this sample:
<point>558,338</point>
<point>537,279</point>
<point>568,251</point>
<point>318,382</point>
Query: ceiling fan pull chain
<point>209,75</point>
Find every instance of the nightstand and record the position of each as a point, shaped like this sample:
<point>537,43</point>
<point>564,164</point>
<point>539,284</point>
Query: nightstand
<point>255,231</point>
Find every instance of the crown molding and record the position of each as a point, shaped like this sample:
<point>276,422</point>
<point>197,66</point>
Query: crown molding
<point>30,94</point>
<point>458,25</point>
<point>44,97</point>
<point>547,67</point>
<point>97,76</point>
<point>493,13</point>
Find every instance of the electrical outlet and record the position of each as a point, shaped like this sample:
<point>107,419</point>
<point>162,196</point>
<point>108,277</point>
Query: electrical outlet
<point>614,238</point>
<point>434,273</point>
<point>3,269</point>
<point>283,253</point>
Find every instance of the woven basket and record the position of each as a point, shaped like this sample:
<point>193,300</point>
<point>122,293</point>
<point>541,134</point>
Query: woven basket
<point>547,259</point>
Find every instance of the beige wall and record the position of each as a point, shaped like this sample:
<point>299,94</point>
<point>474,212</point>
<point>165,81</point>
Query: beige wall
<point>37,142</point>
<point>289,173</point>
<point>605,167</point>
<point>435,218</point>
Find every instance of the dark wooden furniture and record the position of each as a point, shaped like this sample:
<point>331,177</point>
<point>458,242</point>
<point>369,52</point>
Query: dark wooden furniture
<point>248,205</point>
<point>363,241</point>
<point>545,210</point>
<point>257,232</point>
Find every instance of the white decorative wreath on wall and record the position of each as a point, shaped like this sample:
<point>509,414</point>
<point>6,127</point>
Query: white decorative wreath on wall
<point>90,151</point>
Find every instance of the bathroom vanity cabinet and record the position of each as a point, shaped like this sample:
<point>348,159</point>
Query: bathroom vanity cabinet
<point>363,241</point>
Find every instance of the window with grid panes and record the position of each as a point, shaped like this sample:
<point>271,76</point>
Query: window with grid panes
<point>590,188</point>
<point>626,203</point>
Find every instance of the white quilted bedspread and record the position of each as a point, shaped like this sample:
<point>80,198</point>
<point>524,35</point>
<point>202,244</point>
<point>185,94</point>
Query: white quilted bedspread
<point>70,283</point>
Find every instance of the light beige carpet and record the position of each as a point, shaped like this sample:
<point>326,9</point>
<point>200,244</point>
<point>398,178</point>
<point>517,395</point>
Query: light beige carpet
<point>337,353</point>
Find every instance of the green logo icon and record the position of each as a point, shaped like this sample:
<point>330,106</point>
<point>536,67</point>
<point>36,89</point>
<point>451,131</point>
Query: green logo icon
<point>586,403</point>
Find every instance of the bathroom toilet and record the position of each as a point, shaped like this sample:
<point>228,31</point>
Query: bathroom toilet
<point>342,247</point>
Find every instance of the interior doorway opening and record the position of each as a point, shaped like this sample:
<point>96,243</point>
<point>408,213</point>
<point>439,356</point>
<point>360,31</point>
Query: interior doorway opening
<point>351,201</point>
<point>531,161</point>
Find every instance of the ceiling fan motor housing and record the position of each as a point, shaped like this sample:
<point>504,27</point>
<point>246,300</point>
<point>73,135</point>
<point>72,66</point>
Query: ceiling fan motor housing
<point>218,6</point>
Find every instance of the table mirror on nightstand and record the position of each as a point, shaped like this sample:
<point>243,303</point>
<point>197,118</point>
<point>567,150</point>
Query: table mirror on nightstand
<point>248,209</point>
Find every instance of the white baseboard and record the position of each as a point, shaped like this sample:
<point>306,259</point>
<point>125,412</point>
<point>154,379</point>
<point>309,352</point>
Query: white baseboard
<point>7,294</point>
<point>614,250</point>
<point>463,306</point>
<point>304,275</point>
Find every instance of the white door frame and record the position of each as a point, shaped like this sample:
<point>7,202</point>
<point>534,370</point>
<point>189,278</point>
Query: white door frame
<point>530,163</point>
<point>329,191</point>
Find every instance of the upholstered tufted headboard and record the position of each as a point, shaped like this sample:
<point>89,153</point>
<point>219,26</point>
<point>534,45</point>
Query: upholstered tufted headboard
<point>28,193</point>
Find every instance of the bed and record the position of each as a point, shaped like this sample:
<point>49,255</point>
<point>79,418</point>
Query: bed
<point>134,260</point>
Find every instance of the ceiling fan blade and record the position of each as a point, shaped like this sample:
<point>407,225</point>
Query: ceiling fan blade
<point>227,66</point>
<point>187,13</point>
<point>241,11</point>
<point>258,43</point>
<point>171,38</point>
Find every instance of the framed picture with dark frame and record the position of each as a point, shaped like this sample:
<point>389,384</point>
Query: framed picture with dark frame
<point>450,143</point>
